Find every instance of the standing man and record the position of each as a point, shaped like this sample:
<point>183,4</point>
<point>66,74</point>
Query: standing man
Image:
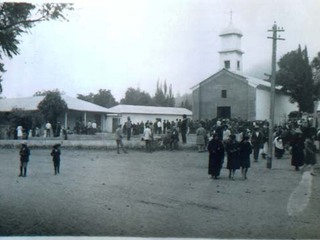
<point>257,140</point>
<point>24,159</point>
<point>48,129</point>
<point>184,128</point>
<point>147,136</point>
<point>128,127</point>
<point>118,135</point>
<point>164,128</point>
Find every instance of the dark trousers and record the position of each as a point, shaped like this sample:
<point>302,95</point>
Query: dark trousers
<point>120,144</point>
<point>256,150</point>
<point>148,146</point>
<point>129,134</point>
<point>184,136</point>
<point>23,169</point>
<point>56,165</point>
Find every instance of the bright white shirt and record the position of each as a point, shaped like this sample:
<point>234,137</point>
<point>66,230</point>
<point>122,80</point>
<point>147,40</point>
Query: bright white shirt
<point>147,134</point>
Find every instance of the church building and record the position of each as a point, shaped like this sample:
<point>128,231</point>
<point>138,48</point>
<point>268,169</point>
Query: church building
<point>229,93</point>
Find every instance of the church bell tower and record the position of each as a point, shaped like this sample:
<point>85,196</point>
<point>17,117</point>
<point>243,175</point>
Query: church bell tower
<point>231,53</point>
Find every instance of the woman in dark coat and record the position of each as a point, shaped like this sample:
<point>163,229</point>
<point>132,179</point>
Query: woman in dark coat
<point>233,154</point>
<point>216,155</point>
<point>245,152</point>
<point>55,153</point>
<point>297,150</point>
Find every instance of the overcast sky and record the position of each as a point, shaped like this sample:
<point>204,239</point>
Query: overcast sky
<point>119,44</point>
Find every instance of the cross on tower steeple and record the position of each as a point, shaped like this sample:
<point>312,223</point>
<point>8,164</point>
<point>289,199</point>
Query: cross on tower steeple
<point>231,12</point>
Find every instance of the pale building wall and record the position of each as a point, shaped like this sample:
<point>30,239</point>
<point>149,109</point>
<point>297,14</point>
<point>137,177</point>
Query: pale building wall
<point>137,118</point>
<point>282,106</point>
<point>262,104</point>
<point>233,57</point>
<point>230,42</point>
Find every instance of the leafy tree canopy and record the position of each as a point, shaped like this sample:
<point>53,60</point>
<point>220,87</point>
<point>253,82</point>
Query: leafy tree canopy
<point>295,76</point>
<point>17,18</point>
<point>45,92</point>
<point>137,97</point>
<point>103,98</point>
<point>52,106</point>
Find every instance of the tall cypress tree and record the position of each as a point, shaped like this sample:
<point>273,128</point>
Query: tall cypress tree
<point>295,77</point>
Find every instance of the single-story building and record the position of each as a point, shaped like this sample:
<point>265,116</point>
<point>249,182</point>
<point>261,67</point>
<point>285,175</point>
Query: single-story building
<point>78,110</point>
<point>120,113</point>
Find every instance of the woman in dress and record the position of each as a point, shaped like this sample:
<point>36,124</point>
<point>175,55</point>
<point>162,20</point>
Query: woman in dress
<point>216,155</point>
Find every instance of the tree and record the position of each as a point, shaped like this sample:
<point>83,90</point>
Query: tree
<point>159,97</point>
<point>315,65</point>
<point>170,98</point>
<point>17,18</point>
<point>45,92</point>
<point>162,97</point>
<point>295,77</point>
<point>28,120</point>
<point>137,97</point>
<point>103,98</point>
<point>52,106</point>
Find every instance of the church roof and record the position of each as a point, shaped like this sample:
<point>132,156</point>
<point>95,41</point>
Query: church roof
<point>137,109</point>
<point>231,29</point>
<point>31,104</point>
<point>252,81</point>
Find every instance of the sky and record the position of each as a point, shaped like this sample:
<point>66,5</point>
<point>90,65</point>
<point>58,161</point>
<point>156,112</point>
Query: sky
<point>118,44</point>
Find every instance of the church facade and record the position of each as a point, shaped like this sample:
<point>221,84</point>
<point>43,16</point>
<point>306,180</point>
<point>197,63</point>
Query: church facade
<point>231,94</point>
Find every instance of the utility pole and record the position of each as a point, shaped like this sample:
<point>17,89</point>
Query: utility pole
<point>274,38</point>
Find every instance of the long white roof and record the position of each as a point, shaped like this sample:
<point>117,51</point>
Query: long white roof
<point>31,104</point>
<point>136,109</point>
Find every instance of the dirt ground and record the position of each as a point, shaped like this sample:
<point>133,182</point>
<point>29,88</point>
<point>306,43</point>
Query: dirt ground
<point>162,194</point>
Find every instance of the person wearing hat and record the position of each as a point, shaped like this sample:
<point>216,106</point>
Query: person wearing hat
<point>119,136</point>
<point>55,153</point>
<point>297,149</point>
<point>257,140</point>
<point>24,159</point>
<point>216,155</point>
<point>233,154</point>
<point>245,152</point>
<point>184,128</point>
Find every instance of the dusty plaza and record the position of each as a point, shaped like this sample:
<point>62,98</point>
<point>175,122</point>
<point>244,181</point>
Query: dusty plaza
<point>159,194</point>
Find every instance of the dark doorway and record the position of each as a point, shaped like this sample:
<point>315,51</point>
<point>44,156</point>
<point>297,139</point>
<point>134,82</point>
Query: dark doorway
<point>115,123</point>
<point>223,112</point>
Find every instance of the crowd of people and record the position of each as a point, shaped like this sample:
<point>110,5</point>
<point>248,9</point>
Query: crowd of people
<point>232,140</point>
<point>236,140</point>
<point>236,143</point>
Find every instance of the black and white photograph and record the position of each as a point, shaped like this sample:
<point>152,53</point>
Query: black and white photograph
<point>157,119</point>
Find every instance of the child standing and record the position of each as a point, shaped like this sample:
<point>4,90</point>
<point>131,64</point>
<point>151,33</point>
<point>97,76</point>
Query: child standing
<point>24,159</point>
<point>55,153</point>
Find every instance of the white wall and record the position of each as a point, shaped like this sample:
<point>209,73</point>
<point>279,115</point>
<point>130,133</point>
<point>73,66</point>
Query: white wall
<point>137,118</point>
<point>282,106</point>
<point>262,104</point>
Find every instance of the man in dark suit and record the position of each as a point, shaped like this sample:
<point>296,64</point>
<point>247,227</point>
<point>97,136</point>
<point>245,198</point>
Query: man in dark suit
<point>257,140</point>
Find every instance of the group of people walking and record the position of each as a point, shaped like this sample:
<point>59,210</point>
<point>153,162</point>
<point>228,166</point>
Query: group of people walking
<point>300,145</point>
<point>237,153</point>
